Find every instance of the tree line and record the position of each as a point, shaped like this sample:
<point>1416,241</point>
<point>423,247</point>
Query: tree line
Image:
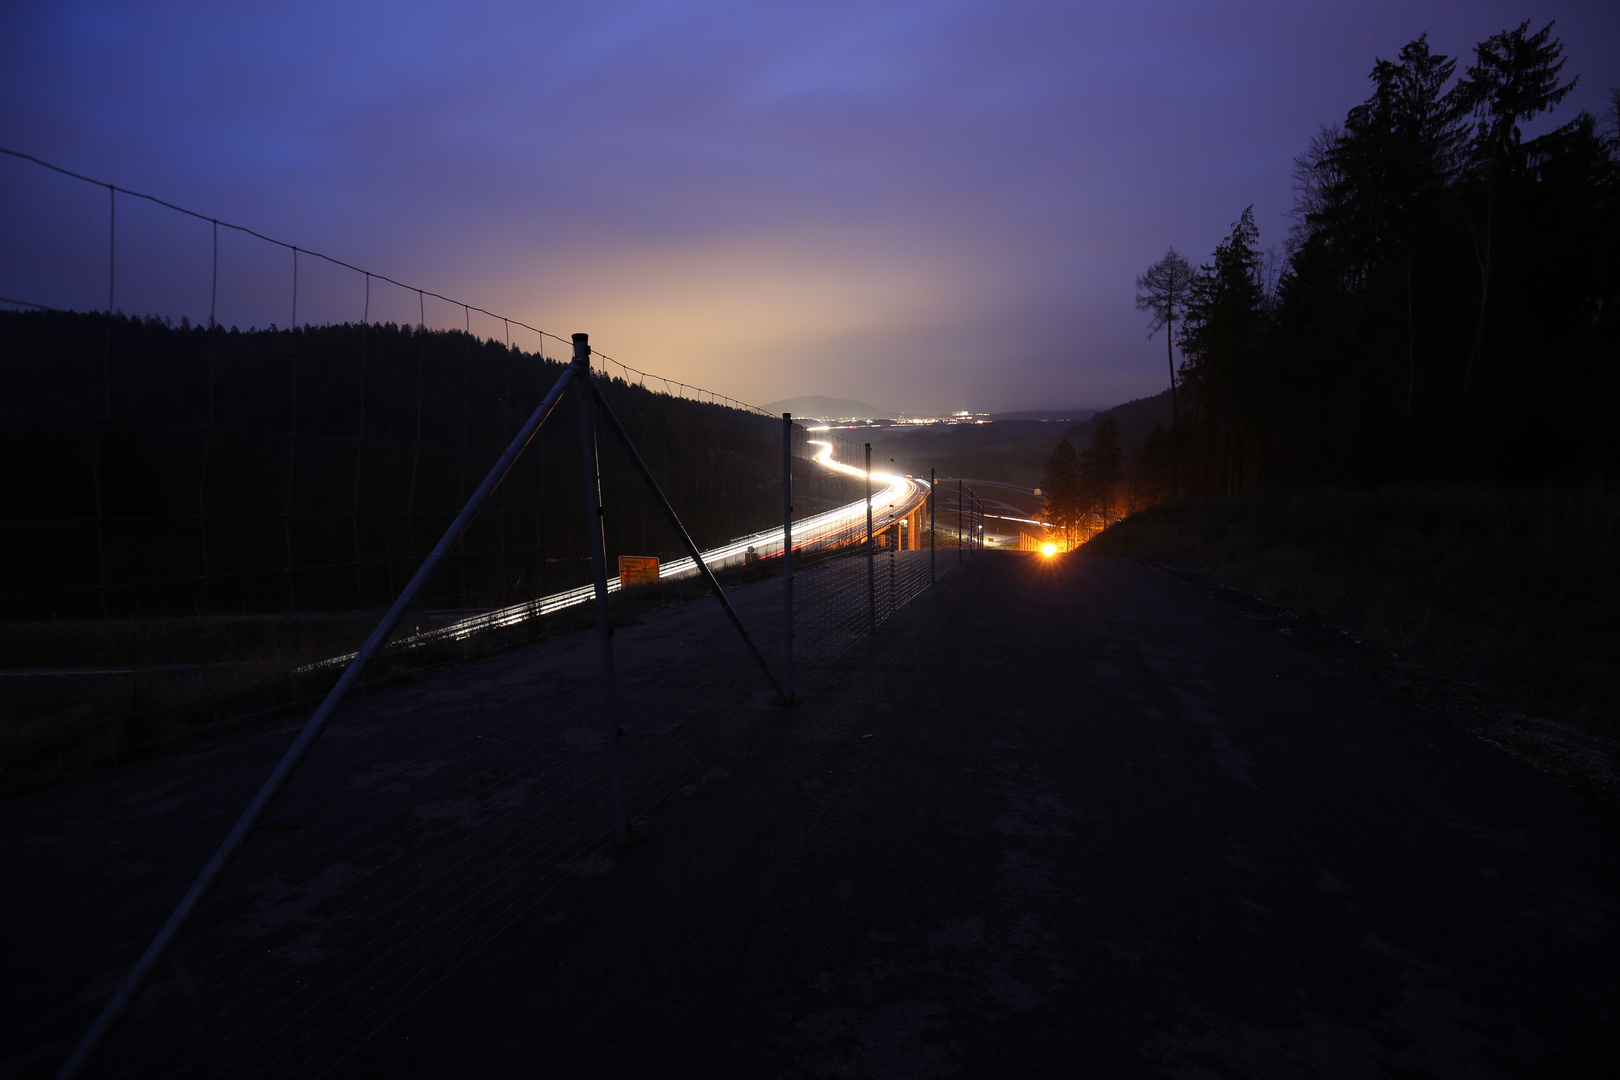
<point>1080,487</point>
<point>1443,309</point>
<point>158,470</point>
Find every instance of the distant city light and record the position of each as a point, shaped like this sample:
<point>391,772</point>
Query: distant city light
<point>831,423</point>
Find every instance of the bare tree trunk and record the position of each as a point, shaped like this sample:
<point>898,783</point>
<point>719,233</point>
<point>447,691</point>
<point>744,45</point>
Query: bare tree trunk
<point>1484,260</point>
<point>1198,449</point>
<point>1411,349</point>
<point>1175,421</point>
<point>1226,426</point>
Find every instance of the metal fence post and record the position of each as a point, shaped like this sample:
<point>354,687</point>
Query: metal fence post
<point>787,555</point>
<point>871,570</point>
<point>930,526</point>
<point>593,528</point>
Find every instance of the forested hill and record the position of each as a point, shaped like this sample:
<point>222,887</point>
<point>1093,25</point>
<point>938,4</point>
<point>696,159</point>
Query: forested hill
<point>318,462</point>
<point>1136,420</point>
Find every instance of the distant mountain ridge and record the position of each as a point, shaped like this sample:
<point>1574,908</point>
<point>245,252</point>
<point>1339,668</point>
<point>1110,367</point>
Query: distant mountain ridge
<point>1076,416</point>
<point>1135,419</point>
<point>817,407</point>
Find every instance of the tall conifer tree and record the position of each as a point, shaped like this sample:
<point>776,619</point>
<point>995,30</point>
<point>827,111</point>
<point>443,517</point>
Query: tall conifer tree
<point>1164,289</point>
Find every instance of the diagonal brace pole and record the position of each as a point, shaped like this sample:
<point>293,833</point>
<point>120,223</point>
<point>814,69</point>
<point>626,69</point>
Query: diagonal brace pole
<point>686,539</point>
<point>313,728</point>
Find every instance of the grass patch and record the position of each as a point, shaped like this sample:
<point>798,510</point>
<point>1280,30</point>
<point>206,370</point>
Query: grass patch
<point>1512,591</point>
<point>116,691</point>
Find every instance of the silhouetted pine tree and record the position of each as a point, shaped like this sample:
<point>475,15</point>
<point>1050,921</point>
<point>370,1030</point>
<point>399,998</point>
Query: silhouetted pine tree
<point>1101,467</point>
<point>1060,485</point>
<point>1222,336</point>
<point>1164,289</point>
<point>1448,308</point>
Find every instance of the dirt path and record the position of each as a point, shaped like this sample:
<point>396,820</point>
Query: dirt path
<point>1071,818</point>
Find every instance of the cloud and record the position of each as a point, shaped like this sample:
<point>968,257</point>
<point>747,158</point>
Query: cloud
<point>932,204</point>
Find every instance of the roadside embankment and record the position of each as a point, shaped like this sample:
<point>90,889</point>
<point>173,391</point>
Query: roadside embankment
<point>1512,591</point>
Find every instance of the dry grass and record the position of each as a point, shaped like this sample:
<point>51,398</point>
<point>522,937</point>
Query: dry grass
<point>154,686</point>
<point>150,686</point>
<point>1513,591</point>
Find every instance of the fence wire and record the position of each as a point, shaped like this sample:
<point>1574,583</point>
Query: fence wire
<point>201,526</point>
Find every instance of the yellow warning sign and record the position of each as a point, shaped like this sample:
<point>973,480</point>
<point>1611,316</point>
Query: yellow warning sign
<point>637,570</point>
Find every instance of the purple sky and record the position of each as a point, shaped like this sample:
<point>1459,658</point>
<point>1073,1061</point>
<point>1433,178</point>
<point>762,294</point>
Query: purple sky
<point>926,205</point>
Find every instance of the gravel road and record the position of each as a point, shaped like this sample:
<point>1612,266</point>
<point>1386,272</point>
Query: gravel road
<point>1059,818</point>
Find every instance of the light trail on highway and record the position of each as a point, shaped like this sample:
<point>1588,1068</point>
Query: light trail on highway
<point>898,497</point>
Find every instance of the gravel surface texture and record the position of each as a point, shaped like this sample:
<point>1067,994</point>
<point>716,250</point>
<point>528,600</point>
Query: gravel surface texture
<point>1059,818</point>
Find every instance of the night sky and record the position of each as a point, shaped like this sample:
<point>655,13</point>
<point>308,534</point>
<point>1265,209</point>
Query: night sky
<point>929,206</point>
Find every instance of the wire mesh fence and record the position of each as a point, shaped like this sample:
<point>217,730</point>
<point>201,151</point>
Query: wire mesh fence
<point>848,586</point>
<point>202,527</point>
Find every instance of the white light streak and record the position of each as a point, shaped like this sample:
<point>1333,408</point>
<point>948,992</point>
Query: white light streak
<point>897,499</point>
